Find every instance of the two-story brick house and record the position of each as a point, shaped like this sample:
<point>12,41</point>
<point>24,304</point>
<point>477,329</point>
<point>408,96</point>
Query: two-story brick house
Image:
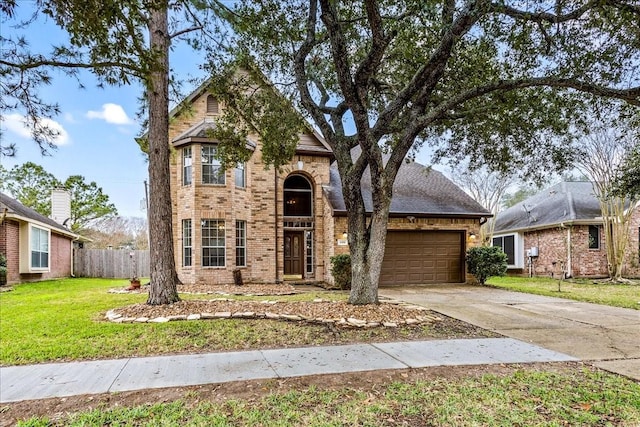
<point>284,225</point>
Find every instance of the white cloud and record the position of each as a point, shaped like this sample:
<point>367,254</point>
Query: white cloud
<point>69,118</point>
<point>15,123</point>
<point>111,113</point>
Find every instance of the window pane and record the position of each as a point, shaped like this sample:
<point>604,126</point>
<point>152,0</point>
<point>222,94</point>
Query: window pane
<point>594,237</point>
<point>241,243</point>
<point>187,165</point>
<point>509,249</point>
<point>186,243</point>
<point>39,248</point>
<point>309,250</point>
<point>240,175</point>
<point>213,243</point>
<point>212,172</point>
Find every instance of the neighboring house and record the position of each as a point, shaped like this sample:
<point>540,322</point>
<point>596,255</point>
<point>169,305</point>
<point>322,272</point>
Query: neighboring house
<point>561,228</point>
<point>36,247</point>
<point>285,225</point>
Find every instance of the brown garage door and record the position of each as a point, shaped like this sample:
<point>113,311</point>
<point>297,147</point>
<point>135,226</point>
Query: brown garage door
<point>414,257</point>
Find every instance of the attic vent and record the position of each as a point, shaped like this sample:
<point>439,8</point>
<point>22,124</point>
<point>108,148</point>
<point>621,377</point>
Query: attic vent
<point>212,105</point>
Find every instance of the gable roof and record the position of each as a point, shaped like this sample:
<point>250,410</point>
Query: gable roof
<point>16,210</point>
<point>566,202</point>
<point>311,142</point>
<point>417,191</point>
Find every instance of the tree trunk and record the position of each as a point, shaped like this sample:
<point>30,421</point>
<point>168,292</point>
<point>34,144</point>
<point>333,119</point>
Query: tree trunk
<point>164,277</point>
<point>366,238</point>
<point>366,263</point>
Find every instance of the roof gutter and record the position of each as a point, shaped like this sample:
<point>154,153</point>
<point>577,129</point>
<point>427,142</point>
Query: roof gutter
<point>10,215</point>
<point>593,221</point>
<point>473,215</point>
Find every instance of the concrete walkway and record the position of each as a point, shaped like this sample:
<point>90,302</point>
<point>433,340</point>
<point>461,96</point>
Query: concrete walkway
<point>19,383</point>
<point>606,337</point>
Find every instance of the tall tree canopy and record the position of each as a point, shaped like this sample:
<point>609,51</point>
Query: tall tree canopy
<point>499,82</point>
<point>628,182</point>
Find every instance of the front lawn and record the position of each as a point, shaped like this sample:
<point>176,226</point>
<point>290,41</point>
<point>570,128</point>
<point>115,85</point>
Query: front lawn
<point>64,320</point>
<point>627,296</point>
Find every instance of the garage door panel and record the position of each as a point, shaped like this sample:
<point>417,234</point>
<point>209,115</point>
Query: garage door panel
<point>422,257</point>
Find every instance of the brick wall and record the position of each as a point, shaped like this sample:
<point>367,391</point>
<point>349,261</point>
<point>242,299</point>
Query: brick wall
<point>259,204</point>
<point>60,257</point>
<point>552,248</point>
<point>59,252</point>
<point>9,245</point>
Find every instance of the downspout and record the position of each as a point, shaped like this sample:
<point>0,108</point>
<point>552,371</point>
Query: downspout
<point>275,228</point>
<point>569,270</point>
<point>71,255</point>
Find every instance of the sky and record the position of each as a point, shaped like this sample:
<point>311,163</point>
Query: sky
<point>97,126</point>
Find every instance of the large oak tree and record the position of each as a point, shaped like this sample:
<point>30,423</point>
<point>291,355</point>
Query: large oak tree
<point>501,82</point>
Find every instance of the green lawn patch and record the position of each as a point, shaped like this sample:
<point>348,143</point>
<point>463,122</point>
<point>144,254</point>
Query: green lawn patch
<point>524,397</point>
<point>64,320</point>
<point>617,295</point>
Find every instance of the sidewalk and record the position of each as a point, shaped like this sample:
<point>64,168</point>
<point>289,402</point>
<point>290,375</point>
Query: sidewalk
<point>19,383</point>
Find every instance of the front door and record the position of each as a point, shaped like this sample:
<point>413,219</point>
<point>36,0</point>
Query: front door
<point>294,253</point>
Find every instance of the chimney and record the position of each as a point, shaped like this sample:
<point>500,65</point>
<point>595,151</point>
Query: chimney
<point>60,206</point>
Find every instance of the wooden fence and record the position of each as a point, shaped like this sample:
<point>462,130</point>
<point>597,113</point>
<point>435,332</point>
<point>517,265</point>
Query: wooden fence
<point>116,263</point>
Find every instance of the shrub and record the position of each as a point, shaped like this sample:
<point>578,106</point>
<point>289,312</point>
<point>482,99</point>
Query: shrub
<point>486,261</point>
<point>341,270</point>
<point>3,270</point>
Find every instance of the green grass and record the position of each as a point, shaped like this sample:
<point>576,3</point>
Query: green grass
<point>63,320</point>
<point>523,398</point>
<point>619,295</point>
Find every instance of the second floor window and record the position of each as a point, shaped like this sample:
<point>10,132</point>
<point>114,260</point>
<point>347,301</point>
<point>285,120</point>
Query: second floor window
<point>240,177</point>
<point>187,166</point>
<point>212,172</point>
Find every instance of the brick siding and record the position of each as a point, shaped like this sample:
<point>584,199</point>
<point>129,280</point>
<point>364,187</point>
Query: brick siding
<point>584,262</point>
<point>260,205</point>
<point>60,248</point>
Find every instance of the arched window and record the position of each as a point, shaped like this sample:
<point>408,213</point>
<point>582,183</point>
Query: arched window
<point>298,196</point>
<point>212,105</point>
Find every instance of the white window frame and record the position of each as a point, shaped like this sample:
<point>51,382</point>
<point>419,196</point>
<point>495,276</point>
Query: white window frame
<point>33,230</point>
<point>217,175</point>
<point>187,243</point>
<point>518,248</point>
<point>213,240</point>
<point>240,171</point>
<point>187,166</point>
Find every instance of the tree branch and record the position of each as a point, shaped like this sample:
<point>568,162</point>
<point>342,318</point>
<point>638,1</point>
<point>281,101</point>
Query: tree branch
<point>301,73</point>
<point>185,31</point>
<point>40,62</point>
<point>631,95</point>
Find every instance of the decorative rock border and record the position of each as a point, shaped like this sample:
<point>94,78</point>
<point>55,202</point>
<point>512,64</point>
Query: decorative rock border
<point>352,322</point>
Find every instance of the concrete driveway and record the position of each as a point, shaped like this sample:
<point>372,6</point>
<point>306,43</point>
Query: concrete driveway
<point>607,337</point>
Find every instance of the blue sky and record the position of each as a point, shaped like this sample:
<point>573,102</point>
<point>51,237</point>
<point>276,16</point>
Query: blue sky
<point>97,126</point>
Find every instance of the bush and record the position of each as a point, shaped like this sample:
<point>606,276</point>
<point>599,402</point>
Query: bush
<point>486,261</point>
<point>3,270</point>
<point>341,270</point>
